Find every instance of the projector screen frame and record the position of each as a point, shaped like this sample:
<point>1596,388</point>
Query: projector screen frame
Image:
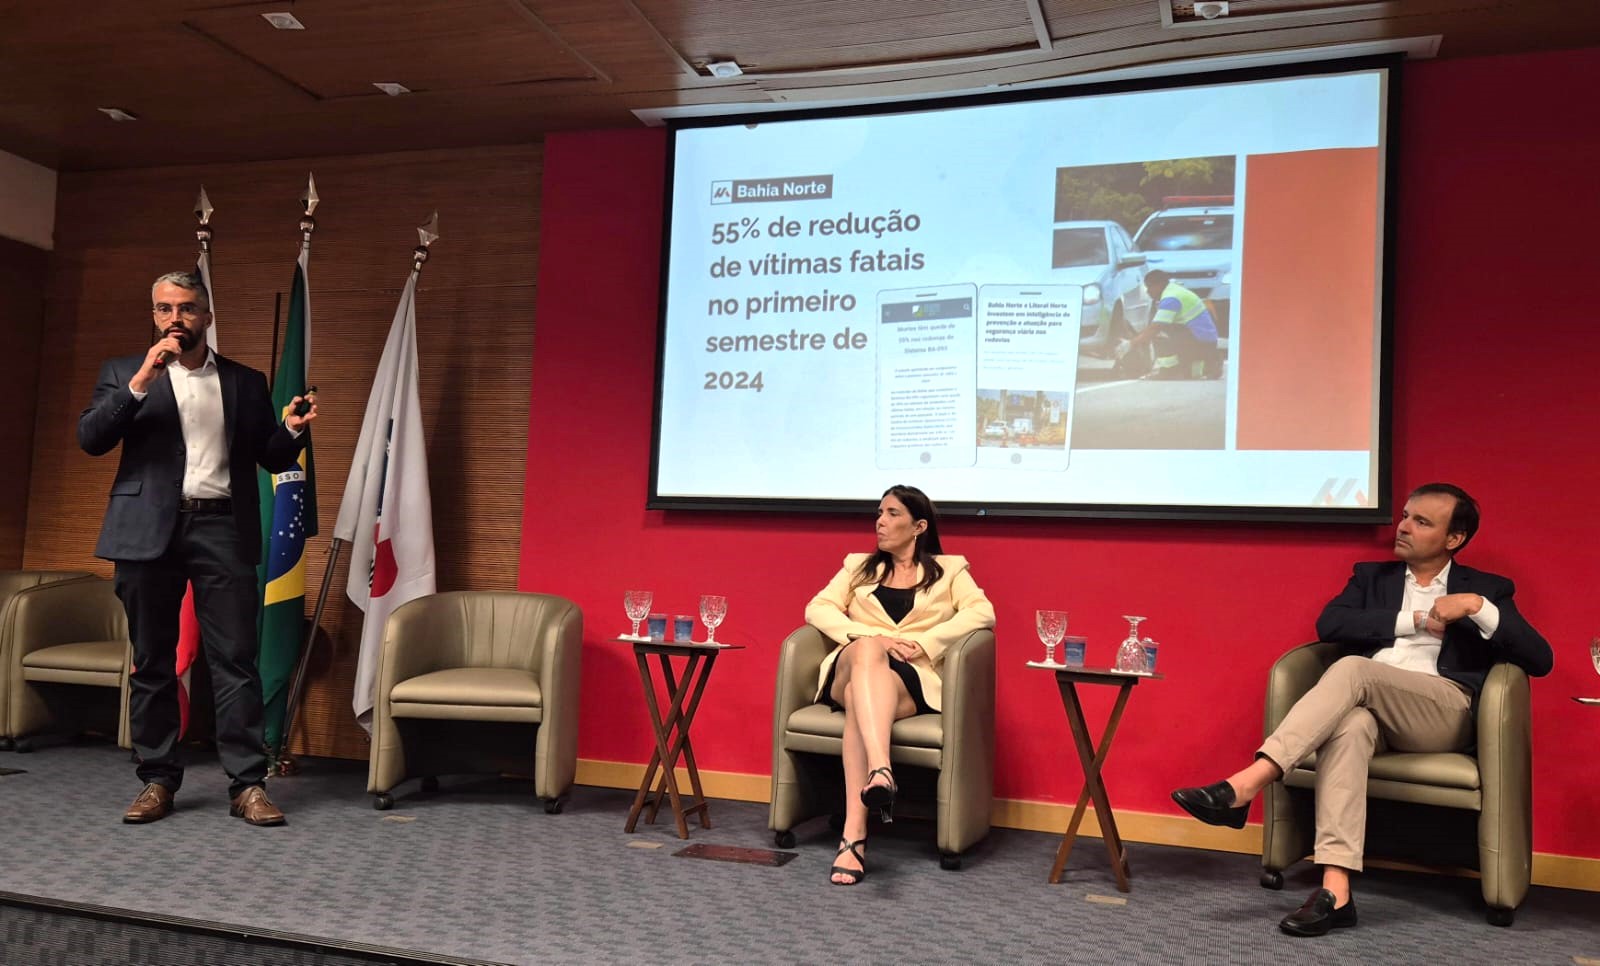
<point>1382,510</point>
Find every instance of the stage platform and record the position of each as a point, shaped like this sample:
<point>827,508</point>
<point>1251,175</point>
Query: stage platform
<point>479,873</point>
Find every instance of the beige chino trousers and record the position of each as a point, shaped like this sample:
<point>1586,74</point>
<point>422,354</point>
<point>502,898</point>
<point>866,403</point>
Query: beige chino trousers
<point>1358,708</point>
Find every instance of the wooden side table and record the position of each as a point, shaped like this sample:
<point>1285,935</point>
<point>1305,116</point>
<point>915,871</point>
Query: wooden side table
<point>683,689</point>
<point>1093,759</point>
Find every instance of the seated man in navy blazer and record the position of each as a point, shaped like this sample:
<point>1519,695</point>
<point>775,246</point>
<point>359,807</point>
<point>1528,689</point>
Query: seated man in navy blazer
<point>184,509</point>
<point>1420,635</point>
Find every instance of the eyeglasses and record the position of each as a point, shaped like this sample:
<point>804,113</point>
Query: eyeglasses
<point>189,310</point>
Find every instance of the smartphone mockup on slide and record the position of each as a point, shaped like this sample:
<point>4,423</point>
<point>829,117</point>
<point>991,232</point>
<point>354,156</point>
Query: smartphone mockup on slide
<point>1027,372</point>
<point>926,368</point>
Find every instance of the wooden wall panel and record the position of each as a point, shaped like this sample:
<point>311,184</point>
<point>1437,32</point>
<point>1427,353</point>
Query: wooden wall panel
<point>22,279</point>
<point>118,230</point>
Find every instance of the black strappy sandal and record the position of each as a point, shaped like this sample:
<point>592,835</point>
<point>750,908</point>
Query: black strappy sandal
<point>856,875</point>
<point>880,797</point>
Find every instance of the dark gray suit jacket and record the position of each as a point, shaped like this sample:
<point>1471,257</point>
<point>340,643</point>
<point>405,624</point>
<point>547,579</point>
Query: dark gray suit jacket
<point>143,511</point>
<point>1362,616</point>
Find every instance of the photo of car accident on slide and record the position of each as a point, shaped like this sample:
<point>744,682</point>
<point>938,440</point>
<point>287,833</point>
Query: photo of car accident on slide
<point>1152,245</point>
<point>1189,237</point>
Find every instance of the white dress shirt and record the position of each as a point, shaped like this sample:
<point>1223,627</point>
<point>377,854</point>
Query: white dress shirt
<point>199,395</point>
<point>1414,649</point>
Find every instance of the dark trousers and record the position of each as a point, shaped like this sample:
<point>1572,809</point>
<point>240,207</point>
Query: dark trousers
<point>205,551</point>
<point>1177,351</point>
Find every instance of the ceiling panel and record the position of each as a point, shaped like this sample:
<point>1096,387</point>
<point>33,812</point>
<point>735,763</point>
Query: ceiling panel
<point>616,36</point>
<point>789,35</point>
<point>422,44</point>
<point>211,81</point>
<point>1068,18</point>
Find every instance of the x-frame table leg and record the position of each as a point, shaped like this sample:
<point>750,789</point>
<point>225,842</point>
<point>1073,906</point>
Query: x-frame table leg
<point>672,740</point>
<point>683,743</point>
<point>1094,786</point>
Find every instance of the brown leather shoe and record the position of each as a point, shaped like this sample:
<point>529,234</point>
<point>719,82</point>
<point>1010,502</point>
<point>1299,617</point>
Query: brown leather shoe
<point>152,805</point>
<point>253,806</point>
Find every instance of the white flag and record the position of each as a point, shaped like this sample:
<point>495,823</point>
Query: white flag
<point>387,515</point>
<point>202,266</point>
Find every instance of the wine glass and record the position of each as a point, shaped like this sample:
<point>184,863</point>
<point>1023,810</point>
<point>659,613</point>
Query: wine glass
<point>713,609</point>
<point>1130,654</point>
<point>637,604</point>
<point>1052,626</point>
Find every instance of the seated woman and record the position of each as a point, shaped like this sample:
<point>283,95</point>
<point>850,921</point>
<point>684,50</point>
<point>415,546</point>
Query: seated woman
<point>892,614</point>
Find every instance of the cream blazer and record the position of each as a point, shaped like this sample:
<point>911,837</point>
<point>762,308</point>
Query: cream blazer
<point>940,616</point>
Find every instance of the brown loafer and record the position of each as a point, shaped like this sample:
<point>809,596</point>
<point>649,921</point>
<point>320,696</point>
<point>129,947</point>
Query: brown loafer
<point>254,807</point>
<point>152,805</point>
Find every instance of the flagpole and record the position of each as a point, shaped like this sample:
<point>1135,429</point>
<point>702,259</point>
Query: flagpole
<point>189,650</point>
<point>283,763</point>
<point>427,235</point>
<point>277,325</point>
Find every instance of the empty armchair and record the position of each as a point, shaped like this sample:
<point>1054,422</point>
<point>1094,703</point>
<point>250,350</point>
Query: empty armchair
<point>478,682</point>
<point>60,638</point>
<point>957,744</point>
<point>1472,808</point>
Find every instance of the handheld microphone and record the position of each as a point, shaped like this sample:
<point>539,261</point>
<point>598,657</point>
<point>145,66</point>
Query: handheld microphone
<point>185,340</point>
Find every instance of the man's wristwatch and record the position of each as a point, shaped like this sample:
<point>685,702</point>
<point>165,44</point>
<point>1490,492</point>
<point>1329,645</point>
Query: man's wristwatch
<point>1419,618</point>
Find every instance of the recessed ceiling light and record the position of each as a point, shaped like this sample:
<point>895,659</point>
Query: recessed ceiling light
<point>390,88</point>
<point>118,114</point>
<point>724,68</point>
<point>283,20</point>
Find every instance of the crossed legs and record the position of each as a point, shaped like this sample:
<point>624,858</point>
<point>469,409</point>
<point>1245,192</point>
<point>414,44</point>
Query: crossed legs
<point>874,698</point>
<point>1358,707</point>
<point>1341,803</point>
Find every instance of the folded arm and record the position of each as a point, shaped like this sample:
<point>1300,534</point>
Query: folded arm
<point>828,611</point>
<point>1515,640</point>
<point>1349,622</point>
<point>973,611</point>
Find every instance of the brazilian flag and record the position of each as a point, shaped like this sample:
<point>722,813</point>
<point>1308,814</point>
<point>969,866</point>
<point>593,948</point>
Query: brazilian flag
<point>288,517</point>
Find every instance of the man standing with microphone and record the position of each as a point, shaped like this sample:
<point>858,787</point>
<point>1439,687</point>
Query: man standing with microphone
<point>184,509</point>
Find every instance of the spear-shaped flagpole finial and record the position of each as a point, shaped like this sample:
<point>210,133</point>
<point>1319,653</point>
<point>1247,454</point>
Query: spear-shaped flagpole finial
<point>428,234</point>
<point>202,215</point>
<point>308,201</point>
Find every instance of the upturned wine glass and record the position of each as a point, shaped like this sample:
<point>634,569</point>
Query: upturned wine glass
<point>1130,654</point>
<point>637,605</point>
<point>1052,626</point>
<point>713,608</point>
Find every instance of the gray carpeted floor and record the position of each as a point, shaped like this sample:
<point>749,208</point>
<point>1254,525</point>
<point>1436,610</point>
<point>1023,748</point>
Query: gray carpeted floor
<point>480,871</point>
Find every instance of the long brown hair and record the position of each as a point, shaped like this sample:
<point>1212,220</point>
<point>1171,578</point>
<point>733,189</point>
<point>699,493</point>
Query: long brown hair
<point>877,568</point>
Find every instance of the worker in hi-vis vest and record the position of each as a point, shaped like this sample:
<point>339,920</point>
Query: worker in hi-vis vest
<point>1185,334</point>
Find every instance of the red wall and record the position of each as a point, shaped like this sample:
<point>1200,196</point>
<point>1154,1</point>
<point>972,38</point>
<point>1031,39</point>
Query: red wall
<point>1495,356</point>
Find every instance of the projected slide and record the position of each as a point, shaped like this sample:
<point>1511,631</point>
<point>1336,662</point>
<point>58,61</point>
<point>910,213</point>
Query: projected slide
<point>1162,298</point>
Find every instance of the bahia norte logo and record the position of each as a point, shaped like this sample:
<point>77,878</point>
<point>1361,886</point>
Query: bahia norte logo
<point>807,188</point>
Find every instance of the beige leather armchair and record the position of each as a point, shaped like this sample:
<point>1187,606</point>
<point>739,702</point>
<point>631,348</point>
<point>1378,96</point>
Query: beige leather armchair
<point>69,629</point>
<point>478,682</point>
<point>950,754</point>
<point>1472,809</point>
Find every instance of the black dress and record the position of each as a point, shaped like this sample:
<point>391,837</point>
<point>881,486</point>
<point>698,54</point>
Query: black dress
<point>897,601</point>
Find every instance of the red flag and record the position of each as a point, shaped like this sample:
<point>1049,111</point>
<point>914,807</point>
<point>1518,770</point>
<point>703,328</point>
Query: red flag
<point>188,650</point>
